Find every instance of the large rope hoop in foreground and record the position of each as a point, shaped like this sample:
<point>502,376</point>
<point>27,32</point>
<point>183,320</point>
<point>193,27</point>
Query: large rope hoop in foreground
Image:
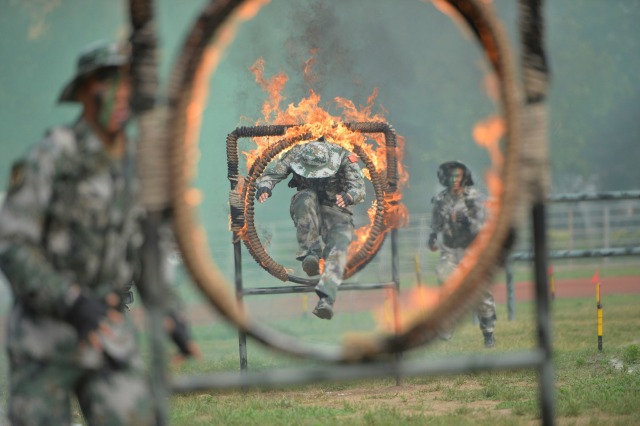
<point>459,293</point>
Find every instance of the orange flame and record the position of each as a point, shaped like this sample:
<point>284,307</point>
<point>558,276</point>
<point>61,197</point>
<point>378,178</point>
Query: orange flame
<point>273,87</point>
<point>487,134</point>
<point>399,311</point>
<point>308,117</point>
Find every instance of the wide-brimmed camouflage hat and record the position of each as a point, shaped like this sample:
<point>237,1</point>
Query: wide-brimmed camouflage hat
<point>317,159</point>
<point>96,56</point>
<point>444,172</point>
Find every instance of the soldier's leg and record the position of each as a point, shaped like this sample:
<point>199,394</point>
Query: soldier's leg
<point>305,212</point>
<point>447,263</point>
<point>337,232</point>
<point>121,396</point>
<point>40,392</point>
<point>486,310</point>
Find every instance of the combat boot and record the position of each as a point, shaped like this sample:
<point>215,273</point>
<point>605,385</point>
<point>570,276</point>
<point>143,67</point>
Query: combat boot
<point>324,309</point>
<point>311,265</point>
<point>489,339</point>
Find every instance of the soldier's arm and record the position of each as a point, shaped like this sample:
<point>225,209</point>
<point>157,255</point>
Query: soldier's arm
<point>34,282</point>
<point>276,172</point>
<point>475,204</point>
<point>437,223</point>
<point>437,218</point>
<point>354,180</point>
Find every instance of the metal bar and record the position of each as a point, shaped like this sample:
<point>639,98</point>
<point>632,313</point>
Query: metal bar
<point>511,297</point>
<point>242,336</point>
<point>395,277</point>
<point>309,289</point>
<point>545,368</point>
<point>570,226</point>
<point>152,262</point>
<point>297,376</point>
<point>597,196</point>
<point>574,254</point>
<point>395,264</point>
<point>606,237</point>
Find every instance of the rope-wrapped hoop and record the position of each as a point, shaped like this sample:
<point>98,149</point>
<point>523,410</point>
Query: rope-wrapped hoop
<point>244,205</point>
<point>462,290</point>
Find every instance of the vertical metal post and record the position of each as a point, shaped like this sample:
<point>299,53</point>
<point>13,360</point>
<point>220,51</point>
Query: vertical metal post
<point>535,78</point>
<point>511,309</point>
<point>543,313</point>
<point>152,261</point>
<point>606,230</point>
<point>395,265</point>
<point>159,386</point>
<point>570,228</point>
<point>242,336</point>
<point>395,277</point>
<point>416,264</point>
<point>144,91</point>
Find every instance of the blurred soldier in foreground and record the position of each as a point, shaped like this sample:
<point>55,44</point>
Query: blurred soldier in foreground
<point>458,214</point>
<point>70,240</point>
<point>329,182</point>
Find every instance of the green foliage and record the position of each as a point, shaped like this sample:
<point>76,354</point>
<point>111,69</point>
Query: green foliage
<point>631,354</point>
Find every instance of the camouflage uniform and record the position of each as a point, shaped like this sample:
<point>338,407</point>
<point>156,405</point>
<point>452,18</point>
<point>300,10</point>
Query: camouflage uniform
<point>455,237</point>
<point>321,171</point>
<point>71,217</point>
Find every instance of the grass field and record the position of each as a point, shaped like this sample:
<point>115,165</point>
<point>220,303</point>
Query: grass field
<point>592,388</point>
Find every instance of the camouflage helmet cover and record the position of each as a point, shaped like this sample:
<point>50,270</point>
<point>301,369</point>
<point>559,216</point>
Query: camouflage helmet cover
<point>96,56</point>
<point>444,172</point>
<point>317,159</point>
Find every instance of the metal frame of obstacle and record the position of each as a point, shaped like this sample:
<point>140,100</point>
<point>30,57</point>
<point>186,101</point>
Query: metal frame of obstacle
<point>238,219</point>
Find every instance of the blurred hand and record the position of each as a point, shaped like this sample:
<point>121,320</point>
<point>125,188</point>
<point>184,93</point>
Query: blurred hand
<point>178,330</point>
<point>89,315</point>
<point>433,237</point>
<point>262,194</point>
<point>343,199</point>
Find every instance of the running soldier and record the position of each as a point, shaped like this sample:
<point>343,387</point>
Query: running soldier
<point>458,214</point>
<point>70,240</point>
<point>329,182</point>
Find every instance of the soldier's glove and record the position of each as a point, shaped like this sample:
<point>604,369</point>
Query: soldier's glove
<point>462,219</point>
<point>346,198</point>
<point>85,314</point>
<point>180,334</point>
<point>433,237</point>
<point>262,190</point>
